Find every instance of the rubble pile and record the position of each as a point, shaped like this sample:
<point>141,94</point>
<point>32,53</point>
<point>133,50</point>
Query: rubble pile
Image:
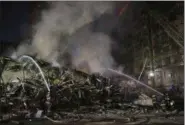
<point>72,94</point>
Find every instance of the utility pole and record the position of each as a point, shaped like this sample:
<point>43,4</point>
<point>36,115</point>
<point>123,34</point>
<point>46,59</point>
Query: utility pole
<point>151,46</point>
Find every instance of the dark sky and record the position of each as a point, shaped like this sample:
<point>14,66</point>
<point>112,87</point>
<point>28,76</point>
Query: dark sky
<point>14,19</point>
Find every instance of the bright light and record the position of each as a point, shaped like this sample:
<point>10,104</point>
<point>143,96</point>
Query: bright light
<point>151,74</point>
<point>169,75</point>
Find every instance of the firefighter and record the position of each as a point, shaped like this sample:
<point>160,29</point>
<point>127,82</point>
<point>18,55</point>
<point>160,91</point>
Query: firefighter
<point>167,100</point>
<point>163,106</point>
<point>167,104</point>
<point>155,103</point>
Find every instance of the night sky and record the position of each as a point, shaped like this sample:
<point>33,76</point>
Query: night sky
<point>14,20</point>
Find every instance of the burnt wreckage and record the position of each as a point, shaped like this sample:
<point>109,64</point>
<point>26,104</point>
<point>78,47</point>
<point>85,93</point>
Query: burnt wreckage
<point>63,95</point>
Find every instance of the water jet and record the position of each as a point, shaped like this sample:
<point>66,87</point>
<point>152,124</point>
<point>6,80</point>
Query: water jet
<point>38,67</point>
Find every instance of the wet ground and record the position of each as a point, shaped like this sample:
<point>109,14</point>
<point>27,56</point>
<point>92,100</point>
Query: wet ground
<point>149,120</point>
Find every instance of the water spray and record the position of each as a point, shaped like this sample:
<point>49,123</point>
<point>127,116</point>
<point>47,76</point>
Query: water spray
<point>137,81</point>
<point>40,70</point>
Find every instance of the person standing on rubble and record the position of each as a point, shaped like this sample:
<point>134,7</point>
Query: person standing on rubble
<point>155,103</point>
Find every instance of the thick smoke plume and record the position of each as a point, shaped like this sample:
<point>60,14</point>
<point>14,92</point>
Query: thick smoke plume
<point>64,28</point>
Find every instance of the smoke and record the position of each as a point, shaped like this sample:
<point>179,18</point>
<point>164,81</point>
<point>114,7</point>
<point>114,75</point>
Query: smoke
<point>92,48</point>
<point>64,28</point>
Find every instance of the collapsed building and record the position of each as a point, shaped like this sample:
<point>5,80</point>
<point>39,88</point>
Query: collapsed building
<point>32,88</point>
